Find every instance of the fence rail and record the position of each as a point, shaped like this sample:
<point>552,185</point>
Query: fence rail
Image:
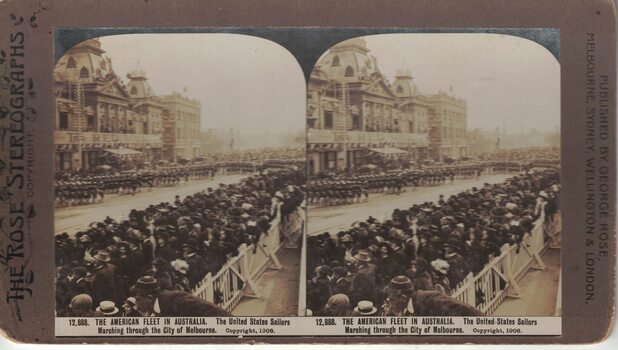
<point>236,279</point>
<point>499,277</point>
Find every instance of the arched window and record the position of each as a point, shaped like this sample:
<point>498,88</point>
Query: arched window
<point>83,73</point>
<point>71,62</point>
<point>399,89</point>
<point>349,71</point>
<point>133,90</point>
<point>335,61</point>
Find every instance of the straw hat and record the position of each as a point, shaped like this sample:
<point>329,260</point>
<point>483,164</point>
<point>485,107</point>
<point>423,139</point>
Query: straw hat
<point>440,265</point>
<point>363,255</point>
<point>365,307</point>
<point>107,308</point>
<point>103,256</point>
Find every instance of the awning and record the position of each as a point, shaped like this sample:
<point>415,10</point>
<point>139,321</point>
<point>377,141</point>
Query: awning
<point>122,151</point>
<point>388,150</point>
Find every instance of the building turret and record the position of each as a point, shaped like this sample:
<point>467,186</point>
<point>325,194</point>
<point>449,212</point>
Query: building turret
<point>138,86</point>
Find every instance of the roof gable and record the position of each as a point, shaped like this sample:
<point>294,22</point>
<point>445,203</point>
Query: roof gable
<point>379,87</point>
<point>113,88</point>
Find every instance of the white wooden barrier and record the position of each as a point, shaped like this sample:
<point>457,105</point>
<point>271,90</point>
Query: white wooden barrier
<point>236,279</point>
<point>499,277</point>
<point>302,285</point>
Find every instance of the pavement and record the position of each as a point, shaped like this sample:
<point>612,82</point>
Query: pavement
<point>336,218</point>
<point>279,289</point>
<point>76,218</point>
<point>539,290</point>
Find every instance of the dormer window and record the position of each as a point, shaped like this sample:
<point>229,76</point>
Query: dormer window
<point>399,89</point>
<point>133,90</point>
<point>71,62</point>
<point>336,62</point>
<point>349,71</point>
<point>83,73</point>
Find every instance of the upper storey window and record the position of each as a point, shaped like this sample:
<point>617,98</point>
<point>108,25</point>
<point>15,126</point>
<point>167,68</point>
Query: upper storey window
<point>83,73</point>
<point>336,62</point>
<point>349,71</point>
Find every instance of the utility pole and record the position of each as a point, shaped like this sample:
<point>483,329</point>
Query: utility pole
<point>345,98</point>
<point>79,98</point>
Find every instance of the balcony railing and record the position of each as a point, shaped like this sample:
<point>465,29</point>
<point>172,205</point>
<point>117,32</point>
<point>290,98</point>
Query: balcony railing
<point>104,139</point>
<point>363,137</point>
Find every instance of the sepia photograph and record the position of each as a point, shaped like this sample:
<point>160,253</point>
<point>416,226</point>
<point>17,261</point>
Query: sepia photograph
<point>433,187</point>
<point>314,172</point>
<point>179,166</point>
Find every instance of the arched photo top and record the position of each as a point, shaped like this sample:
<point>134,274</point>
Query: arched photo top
<point>250,84</point>
<point>506,82</point>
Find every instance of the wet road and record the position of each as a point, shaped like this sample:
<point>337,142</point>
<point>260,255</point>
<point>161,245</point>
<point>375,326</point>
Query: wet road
<point>73,219</point>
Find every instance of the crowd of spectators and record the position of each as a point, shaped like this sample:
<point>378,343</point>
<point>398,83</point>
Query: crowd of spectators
<point>177,243</point>
<point>437,245</point>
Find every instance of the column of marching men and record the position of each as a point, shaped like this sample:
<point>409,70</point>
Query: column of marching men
<point>336,188</point>
<point>167,248</point>
<point>91,186</point>
<point>411,263</point>
<point>342,189</point>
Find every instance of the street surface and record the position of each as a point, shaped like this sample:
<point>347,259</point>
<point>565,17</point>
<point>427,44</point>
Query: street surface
<point>337,218</point>
<point>539,290</point>
<point>73,219</point>
<point>279,289</point>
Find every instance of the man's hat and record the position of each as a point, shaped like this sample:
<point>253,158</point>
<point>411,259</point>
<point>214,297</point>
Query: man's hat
<point>145,284</point>
<point>363,255</point>
<point>191,243</point>
<point>107,308</point>
<point>180,266</point>
<point>84,238</point>
<point>401,283</point>
<point>131,301</point>
<point>440,265</point>
<point>102,255</point>
<point>453,243</point>
<point>339,270</point>
<point>365,307</point>
<point>81,301</point>
<point>79,270</point>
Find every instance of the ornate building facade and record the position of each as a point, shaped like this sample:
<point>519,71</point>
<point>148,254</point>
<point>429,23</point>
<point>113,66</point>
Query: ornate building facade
<point>99,119</point>
<point>182,127</point>
<point>352,109</point>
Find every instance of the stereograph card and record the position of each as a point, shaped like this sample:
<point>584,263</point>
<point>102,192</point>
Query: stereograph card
<point>307,172</point>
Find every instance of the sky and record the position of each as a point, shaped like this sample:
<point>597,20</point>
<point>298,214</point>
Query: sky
<point>248,83</point>
<point>508,82</point>
<point>256,86</point>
